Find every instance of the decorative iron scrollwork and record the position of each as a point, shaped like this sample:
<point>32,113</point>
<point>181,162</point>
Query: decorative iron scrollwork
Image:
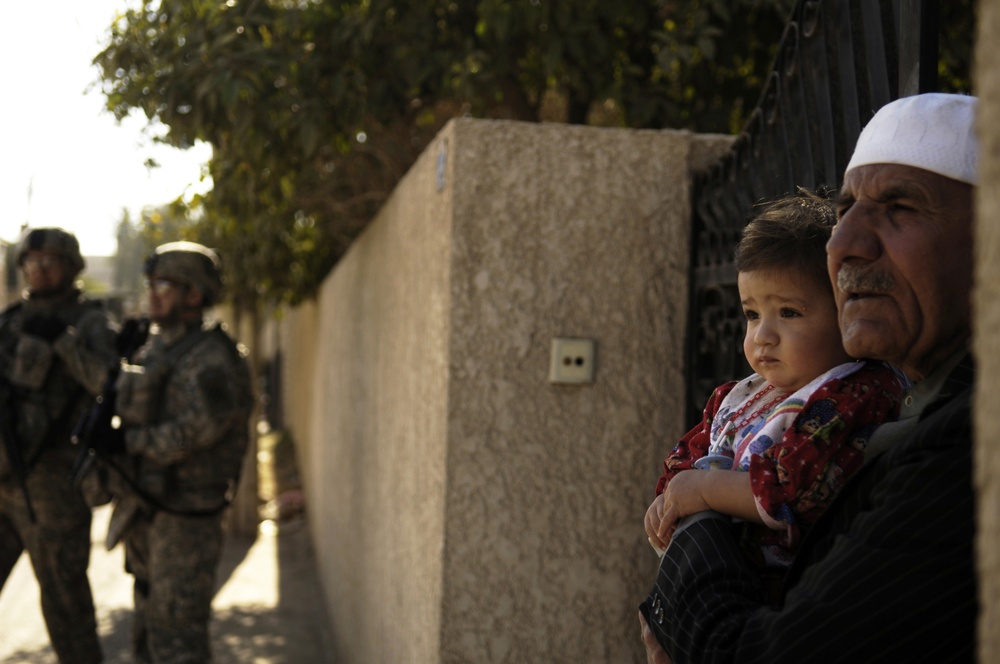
<point>839,61</point>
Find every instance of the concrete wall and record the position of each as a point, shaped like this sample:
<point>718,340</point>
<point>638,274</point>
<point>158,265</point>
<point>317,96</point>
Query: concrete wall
<point>561,232</point>
<point>374,463</point>
<point>987,331</point>
<point>463,507</point>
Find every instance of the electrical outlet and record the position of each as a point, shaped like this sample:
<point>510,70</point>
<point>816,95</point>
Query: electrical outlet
<point>572,361</point>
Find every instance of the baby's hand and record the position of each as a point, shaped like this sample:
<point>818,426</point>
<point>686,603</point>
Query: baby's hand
<point>681,497</point>
<point>654,515</point>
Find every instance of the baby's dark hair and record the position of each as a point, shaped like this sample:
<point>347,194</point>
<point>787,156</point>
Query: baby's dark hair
<point>789,233</point>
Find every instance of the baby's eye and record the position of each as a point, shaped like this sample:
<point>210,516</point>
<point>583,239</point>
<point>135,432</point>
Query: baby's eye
<point>751,314</point>
<point>788,312</point>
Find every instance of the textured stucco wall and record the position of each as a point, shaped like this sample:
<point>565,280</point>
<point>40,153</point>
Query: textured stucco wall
<point>573,232</point>
<point>987,331</point>
<point>463,508</point>
<point>377,439</point>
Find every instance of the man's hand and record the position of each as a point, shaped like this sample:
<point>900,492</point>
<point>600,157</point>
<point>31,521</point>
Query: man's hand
<point>655,654</point>
<point>132,335</point>
<point>654,515</point>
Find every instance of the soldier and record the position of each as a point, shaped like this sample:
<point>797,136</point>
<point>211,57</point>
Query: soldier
<point>55,345</point>
<point>185,404</point>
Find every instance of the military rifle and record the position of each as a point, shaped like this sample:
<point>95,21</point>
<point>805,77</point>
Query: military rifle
<point>98,431</point>
<point>48,328</point>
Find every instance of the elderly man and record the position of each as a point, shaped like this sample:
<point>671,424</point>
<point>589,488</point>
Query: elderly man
<point>887,574</point>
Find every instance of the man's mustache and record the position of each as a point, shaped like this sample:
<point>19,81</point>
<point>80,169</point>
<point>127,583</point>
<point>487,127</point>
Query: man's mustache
<point>863,279</point>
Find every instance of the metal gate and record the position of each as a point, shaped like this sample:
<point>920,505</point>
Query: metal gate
<point>838,62</point>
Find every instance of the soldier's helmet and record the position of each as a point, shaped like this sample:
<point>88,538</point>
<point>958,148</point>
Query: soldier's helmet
<point>187,263</point>
<point>53,240</point>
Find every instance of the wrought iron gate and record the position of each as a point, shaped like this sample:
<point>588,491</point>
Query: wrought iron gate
<point>838,62</point>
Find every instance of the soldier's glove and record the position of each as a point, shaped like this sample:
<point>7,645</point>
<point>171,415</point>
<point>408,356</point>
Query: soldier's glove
<point>111,440</point>
<point>44,326</point>
<point>132,335</point>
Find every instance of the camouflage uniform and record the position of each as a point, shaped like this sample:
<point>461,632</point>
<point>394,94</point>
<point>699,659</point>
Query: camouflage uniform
<point>50,380</point>
<point>186,403</point>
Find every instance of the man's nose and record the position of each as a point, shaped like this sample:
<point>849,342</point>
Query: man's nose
<point>855,235</point>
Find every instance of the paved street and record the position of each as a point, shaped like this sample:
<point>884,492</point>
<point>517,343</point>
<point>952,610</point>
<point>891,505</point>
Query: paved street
<point>267,610</point>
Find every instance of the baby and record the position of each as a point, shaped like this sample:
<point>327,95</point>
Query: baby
<point>785,439</point>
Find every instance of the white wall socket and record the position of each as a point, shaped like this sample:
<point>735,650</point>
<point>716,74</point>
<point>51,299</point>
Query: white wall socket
<point>572,361</point>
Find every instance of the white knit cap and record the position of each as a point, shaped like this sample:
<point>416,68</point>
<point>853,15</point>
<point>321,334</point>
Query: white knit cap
<point>933,131</point>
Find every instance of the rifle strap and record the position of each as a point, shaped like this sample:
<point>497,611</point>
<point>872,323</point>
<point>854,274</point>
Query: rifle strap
<point>156,503</point>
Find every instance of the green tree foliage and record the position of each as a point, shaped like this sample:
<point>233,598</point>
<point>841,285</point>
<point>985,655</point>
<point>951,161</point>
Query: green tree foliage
<point>316,108</point>
<point>127,277</point>
<point>958,22</point>
<point>137,239</point>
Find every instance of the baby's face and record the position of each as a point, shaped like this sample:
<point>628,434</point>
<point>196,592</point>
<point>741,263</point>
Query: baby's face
<point>792,332</point>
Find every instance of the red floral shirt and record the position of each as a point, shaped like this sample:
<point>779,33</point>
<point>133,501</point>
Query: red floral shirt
<point>797,478</point>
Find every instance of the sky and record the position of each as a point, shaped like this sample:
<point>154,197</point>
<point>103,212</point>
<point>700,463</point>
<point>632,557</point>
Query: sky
<point>64,160</point>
